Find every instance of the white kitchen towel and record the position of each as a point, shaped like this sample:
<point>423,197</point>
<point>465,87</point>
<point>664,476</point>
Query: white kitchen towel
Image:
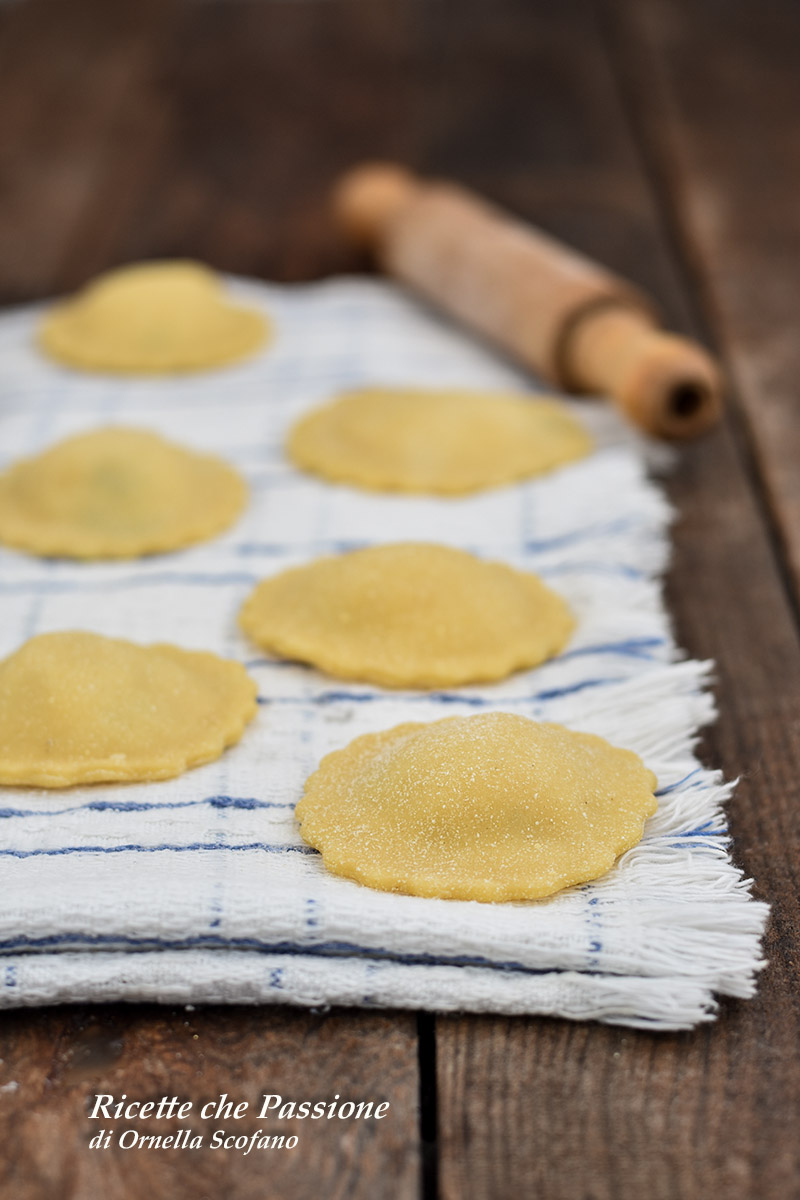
<point>201,888</point>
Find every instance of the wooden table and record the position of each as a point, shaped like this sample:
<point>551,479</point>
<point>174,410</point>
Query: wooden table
<point>658,135</point>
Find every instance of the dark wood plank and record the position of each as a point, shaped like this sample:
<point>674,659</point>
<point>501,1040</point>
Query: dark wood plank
<point>564,1111</point>
<point>117,144</point>
<point>260,107</point>
<point>61,1058</point>
<point>219,137</point>
<point>65,70</point>
<point>717,93</point>
<point>573,1111</point>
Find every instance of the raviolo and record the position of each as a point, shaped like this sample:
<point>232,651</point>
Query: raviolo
<point>152,318</point>
<point>488,807</point>
<point>438,441</point>
<point>410,614</point>
<point>80,708</point>
<point>116,493</point>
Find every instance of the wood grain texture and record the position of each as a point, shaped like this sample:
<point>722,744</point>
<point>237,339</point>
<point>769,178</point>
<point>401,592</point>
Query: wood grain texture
<point>718,94</point>
<point>143,130</point>
<point>214,129</point>
<point>569,1112</point>
<point>577,1111</point>
<point>61,1058</point>
<point>245,114</point>
<point>65,71</point>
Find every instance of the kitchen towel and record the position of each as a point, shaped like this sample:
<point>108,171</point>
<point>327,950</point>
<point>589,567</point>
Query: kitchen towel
<point>200,889</point>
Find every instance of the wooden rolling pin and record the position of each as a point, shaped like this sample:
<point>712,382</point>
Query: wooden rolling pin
<point>560,314</point>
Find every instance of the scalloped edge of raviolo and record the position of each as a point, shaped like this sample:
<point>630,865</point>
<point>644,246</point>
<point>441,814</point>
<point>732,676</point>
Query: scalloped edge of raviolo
<point>79,708</point>
<point>476,808</point>
<point>219,497</point>
<point>445,441</point>
<point>457,619</point>
<point>133,321</point>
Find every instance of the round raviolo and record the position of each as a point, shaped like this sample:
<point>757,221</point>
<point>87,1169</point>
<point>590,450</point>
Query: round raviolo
<point>79,708</point>
<point>116,493</point>
<point>489,807</point>
<point>408,615</point>
<point>157,317</point>
<point>435,441</point>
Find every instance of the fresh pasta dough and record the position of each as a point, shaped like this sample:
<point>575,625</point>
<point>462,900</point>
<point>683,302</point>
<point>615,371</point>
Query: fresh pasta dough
<point>80,708</point>
<point>152,317</point>
<point>116,493</point>
<point>410,614</point>
<point>490,807</point>
<point>437,441</point>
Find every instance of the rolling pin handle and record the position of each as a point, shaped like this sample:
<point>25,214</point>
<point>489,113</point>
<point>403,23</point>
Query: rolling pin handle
<point>367,198</point>
<point>558,313</point>
<point>665,384</point>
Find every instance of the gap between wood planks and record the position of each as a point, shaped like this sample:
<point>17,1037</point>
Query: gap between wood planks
<point>428,1106</point>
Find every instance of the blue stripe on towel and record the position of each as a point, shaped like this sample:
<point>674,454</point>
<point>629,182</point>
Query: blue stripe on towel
<point>125,806</point>
<point>40,587</point>
<point>173,848</point>
<point>325,949</point>
<point>341,697</point>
